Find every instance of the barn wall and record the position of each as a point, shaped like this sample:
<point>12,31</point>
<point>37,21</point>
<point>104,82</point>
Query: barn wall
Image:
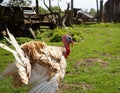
<point>112,11</point>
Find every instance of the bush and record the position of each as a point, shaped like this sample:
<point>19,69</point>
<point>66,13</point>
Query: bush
<point>58,33</point>
<point>77,36</point>
<point>4,41</point>
<point>22,40</point>
<point>56,36</point>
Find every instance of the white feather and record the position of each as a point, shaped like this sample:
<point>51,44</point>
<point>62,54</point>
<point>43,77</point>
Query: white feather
<point>22,62</point>
<point>7,48</point>
<point>50,86</point>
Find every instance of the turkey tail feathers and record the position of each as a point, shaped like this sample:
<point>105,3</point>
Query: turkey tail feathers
<point>22,61</point>
<point>46,86</point>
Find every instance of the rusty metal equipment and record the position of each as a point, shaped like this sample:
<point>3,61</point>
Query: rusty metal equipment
<point>23,20</point>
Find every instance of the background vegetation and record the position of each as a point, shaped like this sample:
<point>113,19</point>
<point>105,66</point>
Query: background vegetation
<point>93,65</point>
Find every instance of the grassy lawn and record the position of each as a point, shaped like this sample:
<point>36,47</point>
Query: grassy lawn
<point>92,67</point>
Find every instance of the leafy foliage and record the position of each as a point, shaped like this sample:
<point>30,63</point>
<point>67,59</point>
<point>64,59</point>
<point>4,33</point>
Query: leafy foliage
<point>56,36</point>
<point>92,12</point>
<point>22,40</point>
<point>4,41</point>
<point>55,9</point>
<point>42,10</point>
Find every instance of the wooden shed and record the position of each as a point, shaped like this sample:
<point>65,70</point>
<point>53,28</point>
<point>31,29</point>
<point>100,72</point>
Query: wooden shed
<point>111,11</point>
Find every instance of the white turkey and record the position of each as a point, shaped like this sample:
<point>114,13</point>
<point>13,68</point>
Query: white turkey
<point>37,64</point>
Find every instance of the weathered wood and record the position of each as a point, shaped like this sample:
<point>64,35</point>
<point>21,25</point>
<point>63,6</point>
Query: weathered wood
<point>31,33</point>
<point>112,11</point>
<point>25,18</point>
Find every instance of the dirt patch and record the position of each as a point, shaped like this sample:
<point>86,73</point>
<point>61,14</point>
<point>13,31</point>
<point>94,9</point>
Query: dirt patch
<point>74,87</point>
<point>63,87</point>
<point>91,62</point>
<point>86,86</point>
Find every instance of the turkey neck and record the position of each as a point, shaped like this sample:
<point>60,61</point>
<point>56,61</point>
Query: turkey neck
<point>67,47</point>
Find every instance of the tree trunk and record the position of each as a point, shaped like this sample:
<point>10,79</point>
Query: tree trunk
<point>61,19</point>
<point>50,4</point>
<point>97,11</point>
<point>48,7</point>
<point>30,33</point>
<point>72,11</point>
<point>37,6</point>
<point>101,9</point>
<point>65,17</point>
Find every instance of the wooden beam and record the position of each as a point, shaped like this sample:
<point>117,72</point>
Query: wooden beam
<point>37,6</point>
<point>97,11</point>
<point>72,11</point>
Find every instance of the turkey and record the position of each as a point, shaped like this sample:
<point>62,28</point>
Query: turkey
<point>37,64</point>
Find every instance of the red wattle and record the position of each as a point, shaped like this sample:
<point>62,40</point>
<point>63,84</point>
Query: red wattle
<point>67,53</point>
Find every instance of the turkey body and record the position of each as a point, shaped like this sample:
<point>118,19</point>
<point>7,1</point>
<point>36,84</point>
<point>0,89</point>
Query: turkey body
<point>48,66</point>
<point>37,64</point>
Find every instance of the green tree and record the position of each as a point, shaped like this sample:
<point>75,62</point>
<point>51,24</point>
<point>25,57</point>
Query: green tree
<point>56,9</point>
<point>42,10</point>
<point>92,12</point>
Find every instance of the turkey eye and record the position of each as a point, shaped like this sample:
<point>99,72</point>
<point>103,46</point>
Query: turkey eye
<point>69,38</point>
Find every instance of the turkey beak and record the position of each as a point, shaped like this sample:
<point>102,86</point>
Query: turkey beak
<point>71,42</point>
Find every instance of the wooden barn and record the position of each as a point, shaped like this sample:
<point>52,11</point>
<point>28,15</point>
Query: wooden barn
<point>111,11</point>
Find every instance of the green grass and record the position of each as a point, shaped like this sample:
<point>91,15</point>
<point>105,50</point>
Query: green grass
<point>92,67</point>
